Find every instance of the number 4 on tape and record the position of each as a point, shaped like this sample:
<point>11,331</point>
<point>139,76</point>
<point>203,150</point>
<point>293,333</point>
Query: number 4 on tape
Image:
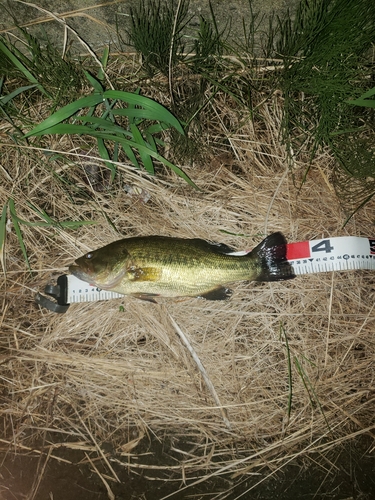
<point>322,246</point>
<point>334,254</point>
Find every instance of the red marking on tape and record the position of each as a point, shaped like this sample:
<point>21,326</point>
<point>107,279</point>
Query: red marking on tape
<point>299,250</point>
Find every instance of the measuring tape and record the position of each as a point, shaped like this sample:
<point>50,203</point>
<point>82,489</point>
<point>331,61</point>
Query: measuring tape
<point>332,254</point>
<point>342,253</point>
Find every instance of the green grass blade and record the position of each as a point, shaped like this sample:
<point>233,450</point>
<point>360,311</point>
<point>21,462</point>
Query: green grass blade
<point>138,113</point>
<point>70,128</point>
<point>367,99</point>
<point>157,111</point>
<point>146,158</point>
<point>104,61</point>
<point>98,87</point>
<point>20,66</point>
<point>151,142</point>
<point>103,151</point>
<point>6,98</point>
<point>290,382</point>
<point>147,150</point>
<point>105,124</point>
<point>42,214</point>
<point>17,229</point>
<point>74,224</point>
<point>310,389</point>
<point>3,223</point>
<point>48,222</point>
<point>116,151</point>
<point>130,154</point>
<point>65,112</point>
<point>156,128</point>
<point>66,128</point>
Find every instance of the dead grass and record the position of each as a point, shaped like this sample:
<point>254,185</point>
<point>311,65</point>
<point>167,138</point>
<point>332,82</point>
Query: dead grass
<point>98,375</point>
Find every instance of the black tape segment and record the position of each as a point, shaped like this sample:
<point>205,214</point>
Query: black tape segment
<point>58,292</point>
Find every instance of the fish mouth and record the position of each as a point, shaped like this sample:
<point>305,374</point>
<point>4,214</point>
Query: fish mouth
<point>82,275</point>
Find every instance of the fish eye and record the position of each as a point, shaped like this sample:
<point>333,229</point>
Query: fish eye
<point>88,255</point>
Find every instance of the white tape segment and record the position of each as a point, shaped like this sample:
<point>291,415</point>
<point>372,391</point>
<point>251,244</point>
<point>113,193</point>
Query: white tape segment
<point>306,257</point>
<point>80,291</point>
<point>331,254</point>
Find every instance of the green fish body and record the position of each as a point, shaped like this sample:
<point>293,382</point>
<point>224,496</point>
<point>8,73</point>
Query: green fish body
<point>151,266</point>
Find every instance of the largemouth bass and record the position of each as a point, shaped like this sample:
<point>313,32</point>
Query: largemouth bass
<point>150,266</point>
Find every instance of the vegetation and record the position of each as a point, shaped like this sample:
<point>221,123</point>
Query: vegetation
<point>326,52</point>
<point>97,148</point>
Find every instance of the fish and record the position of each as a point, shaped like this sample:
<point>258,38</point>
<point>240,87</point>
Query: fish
<point>160,266</point>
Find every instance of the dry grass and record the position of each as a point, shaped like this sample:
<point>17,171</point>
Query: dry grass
<point>98,375</point>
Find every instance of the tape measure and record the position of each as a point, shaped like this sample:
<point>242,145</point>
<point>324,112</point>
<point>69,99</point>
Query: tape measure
<point>342,253</point>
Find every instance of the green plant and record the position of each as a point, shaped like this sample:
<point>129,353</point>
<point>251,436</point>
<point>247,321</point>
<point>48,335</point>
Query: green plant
<point>41,65</point>
<point>3,222</point>
<point>313,396</point>
<point>7,106</point>
<point>46,221</point>
<point>366,100</point>
<point>102,115</point>
<point>289,364</point>
<point>257,42</point>
<point>209,45</point>
<point>326,63</point>
<point>156,33</point>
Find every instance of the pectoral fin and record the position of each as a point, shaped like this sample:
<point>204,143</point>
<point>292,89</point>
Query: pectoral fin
<point>218,293</point>
<point>149,297</point>
<point>143,273</point>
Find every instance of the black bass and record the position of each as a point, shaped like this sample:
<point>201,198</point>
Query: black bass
<point>150,266</point>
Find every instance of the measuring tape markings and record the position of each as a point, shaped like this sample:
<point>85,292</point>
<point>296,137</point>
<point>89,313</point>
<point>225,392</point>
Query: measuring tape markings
<point>80,291</point>
<point>331,254</point>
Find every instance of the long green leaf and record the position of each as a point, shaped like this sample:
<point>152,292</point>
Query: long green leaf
<point>310,389</point>
<point>12,211</point>
<point>104,61</point>
<point>145,156</point>
<point>149,151</point>
<point>3,223</point>
<point>105,124</point>
<point>151,142</point>
<point>69,128</point>
<point>157,127</point>
<point>290,384</point>
<point>6,98</point>
<point>20,66</point>
<point>42,214</point>
<point>130,154</point>
<point>65,112</point>
<point>158,112</point>
<point>365,99</point>
<point>103,151</point>
<point>98,87</point>
<point>65,128</point>
<point>71,224</point>
<point>140,114</point>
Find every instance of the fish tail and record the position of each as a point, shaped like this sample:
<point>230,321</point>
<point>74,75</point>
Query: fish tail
<point>270,258</point>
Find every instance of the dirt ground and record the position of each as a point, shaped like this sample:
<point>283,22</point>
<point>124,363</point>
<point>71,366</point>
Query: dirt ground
<point>74,478</point>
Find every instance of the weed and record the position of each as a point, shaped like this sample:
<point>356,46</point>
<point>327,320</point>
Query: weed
<point>137,136</point>
<point>156,33</point>
<point>41,65</point>
<point>325,50</point>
